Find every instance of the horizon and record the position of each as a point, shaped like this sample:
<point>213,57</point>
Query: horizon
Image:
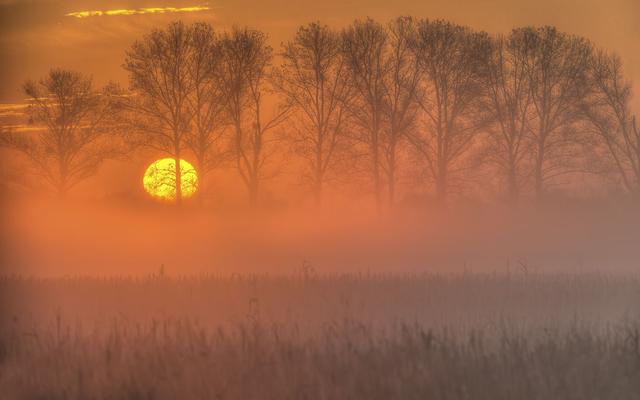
<point>253,200</point>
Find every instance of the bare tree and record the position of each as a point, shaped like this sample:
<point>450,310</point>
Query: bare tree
<point>364,46</point>
<point>509,104</point>
<point>608,113</point>
<point>452,59</point>
<point>401,95</point>
<point>77,128</point>
<point>314,80</point>
<point>205,103</point>
<point>246,59</point>
<point>557,69</point>
<point>160,76</point>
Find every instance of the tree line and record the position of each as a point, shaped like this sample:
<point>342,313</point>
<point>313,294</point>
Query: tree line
<point>372,102</point>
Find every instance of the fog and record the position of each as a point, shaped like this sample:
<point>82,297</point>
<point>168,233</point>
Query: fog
<point>388,203</point>
<point>53,238</point>
<point>101,230</point>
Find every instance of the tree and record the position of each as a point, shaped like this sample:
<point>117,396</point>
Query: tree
<point>364,47</point>
<point>452,59</point>
<point>78,128</point>
<point>314,80</point>
<point>205,103</point>
<point>557,69</point>
<point>160,76</point>
<point>509,105</point>
<point>246,59</point>
<point>609,116</point>
<point>401,95</point>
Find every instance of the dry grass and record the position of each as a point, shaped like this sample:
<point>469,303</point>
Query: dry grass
<point>349,337</point>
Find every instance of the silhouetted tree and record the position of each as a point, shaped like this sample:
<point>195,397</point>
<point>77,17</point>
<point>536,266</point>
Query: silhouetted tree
<point>160,76</point>
<point>77,128</point>
<point>206,103</point>
<point>314,80</point>
<point>543,100</point>
<point>246,59</point>
<point>453,61</point>
<point>609,116</point>
<point>557,66</point>
<point>401,94</point>
<point>364,47</point>
<point>510,108</point>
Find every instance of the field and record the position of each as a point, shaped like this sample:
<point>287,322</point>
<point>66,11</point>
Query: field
<point>467,336</point>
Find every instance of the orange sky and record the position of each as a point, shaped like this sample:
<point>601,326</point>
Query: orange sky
<point>37,34</point>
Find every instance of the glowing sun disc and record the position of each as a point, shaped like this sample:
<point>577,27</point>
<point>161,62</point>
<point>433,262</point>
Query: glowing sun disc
<point>160,179</point>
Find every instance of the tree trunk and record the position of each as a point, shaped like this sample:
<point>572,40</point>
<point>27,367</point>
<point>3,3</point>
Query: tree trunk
<point>253,187</point>
<point>318,178</point>
<point>441,185</point>
<point>512,185</point>
<point>539,176</point>
<point>200,173</point>
<point>317,194</point>
<point>391,176</point>
<point>441,192</point>
<point>376,173</point>
<point>178,179</point>
<point>62,183</point>
<point>392,189</point>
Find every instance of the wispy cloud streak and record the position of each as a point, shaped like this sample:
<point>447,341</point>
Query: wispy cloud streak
<point>137,11</point>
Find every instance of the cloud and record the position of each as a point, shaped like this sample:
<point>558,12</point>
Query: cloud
<point>137,11</point>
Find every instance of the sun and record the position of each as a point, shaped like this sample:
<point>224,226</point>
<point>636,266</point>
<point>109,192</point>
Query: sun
<point>160,179</point>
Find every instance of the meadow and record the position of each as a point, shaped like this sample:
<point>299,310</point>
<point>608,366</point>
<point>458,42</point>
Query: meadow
<point>519,335</point>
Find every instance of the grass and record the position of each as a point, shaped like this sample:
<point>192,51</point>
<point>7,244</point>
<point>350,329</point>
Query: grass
<point>309,337</point>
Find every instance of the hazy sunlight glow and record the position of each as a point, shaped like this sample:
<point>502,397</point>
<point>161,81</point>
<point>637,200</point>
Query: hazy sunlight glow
<point>138,11</point>
<point>160,181</point>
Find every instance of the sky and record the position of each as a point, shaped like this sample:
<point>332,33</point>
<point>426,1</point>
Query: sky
<point>36,35</point>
